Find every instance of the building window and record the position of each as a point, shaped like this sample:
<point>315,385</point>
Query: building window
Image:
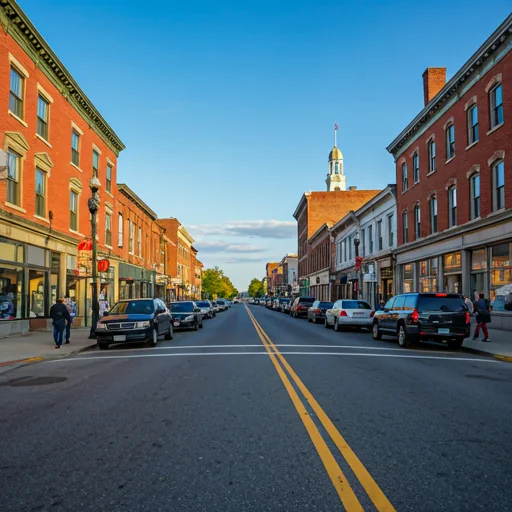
<point>452,206</point>
<point>450,142</point>
<point>43,114</point>
<point>431,156</point>
<point>40,193</point>
<point>405,227</point>
<point>75,148</point>
<point>130,236</point>
<point>109,179</point>
<point>370,239</point>
<point>433,214</point>
<point>73,210</point>
<point>16,94</point>
<point>498,176</point>
<point>404,177</point>
<point>417,222</point>
<point>496,100</point>
<point>416,167</point>
<point>350,243</point>
<point>428,275</point>
<point>390,231</point>
<point>13,177</point>
<point>139,242</point>
<point>108,229</point>
<point>95,162</point>
<point>472,125</point>
<point>120,231</point>
<point>345,255</point>
<point>475,196</point>
<point>379,235</point>
<point>363,243</point>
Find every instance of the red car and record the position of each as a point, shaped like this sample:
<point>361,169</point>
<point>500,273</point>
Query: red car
<point>300,306</point>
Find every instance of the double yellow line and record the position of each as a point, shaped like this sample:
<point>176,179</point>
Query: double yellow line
<point>340,482</point>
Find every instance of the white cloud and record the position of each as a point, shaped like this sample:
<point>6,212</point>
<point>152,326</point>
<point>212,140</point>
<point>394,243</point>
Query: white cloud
<point>220,246</point>
<point>249,228</point>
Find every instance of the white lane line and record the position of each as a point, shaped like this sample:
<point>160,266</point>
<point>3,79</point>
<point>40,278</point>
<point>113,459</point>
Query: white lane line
<point>200,354</point>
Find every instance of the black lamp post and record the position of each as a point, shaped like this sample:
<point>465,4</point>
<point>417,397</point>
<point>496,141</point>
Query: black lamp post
<point>356,250</point>
<point>94,204</point>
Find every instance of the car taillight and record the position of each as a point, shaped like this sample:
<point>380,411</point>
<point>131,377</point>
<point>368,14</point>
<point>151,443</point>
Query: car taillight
<point>468,317</point>
<point>415,315</point>
<point>317,310</point>
<point>343,313</point>
<point>372,313</point>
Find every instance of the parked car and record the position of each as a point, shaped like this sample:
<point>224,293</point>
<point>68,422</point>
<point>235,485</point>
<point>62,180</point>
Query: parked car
<point>236,301</point>
<point>415,317</point>
<point>300,306</point>
<point>215,306</point>
<point>268,302</point>
<point>186,315</point>
<point>349,313</point>
<point>134,320</point>
<point>317,311</point>
<point>222,305</point>
<point>206,308</point>
<point>285,308</point>
<point>282,302</point>
<point>275,304</point>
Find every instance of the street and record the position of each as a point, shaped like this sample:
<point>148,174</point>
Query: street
<point>211,422</point>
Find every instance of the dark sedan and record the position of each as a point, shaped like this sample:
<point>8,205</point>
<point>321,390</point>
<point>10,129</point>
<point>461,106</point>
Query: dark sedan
<point>134,320</point>
<point>317,311</point>
<point>186,315</point>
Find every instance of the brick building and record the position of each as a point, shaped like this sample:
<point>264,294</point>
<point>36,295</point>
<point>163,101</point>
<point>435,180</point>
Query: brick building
<point>453,197</point>
<point>53,139</point>
<point>271,280</point>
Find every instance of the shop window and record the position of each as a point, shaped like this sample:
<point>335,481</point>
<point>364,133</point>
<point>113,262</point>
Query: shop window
<point>36,293</point>
<point>11,291</point>
<point>408,278</point>
<point>478,272</point>
<point>428,275</point>
<point>501,276</point>
<point>498,179</point>
<point>452,268</point>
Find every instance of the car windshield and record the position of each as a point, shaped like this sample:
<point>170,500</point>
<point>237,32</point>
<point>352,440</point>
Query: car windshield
<point>221,302</point>
<point>356,304</point>
<point>325,305</point>
<point>133,307</point>
<point>433,303</point>
<point>182,307</point>
<point>203,304</point>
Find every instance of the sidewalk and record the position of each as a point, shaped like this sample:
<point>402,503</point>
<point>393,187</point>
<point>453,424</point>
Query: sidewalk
<point>500,346</point>
<point>36,346</point>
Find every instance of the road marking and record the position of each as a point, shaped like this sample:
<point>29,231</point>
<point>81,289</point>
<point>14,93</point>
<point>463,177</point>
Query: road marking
<point>338,479</point>
<point>139,356</point>
<point>381,502</point>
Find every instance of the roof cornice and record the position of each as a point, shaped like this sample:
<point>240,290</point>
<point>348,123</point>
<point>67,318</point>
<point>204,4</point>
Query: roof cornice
<point>19,27</point>
<point>182,230</point>
<point>301,204</point>
<point>472,67</point>
<point>128,192</point>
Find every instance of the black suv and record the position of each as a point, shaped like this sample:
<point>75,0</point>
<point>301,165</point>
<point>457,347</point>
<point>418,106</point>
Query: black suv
<point>415,317</point>
<point>134,320</point>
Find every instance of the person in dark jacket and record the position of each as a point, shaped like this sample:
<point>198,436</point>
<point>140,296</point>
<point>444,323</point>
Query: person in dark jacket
<point>483,317</point>
<point>60,315</point>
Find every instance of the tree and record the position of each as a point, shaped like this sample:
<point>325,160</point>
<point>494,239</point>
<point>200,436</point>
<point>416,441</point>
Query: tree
<point>256,288</point>
<point>216,284</point>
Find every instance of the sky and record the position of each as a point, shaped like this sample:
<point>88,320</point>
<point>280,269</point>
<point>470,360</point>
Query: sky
<point>227,108</point>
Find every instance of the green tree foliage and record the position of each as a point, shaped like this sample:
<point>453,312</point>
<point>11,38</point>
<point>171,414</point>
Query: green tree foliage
<point>256,288</point>
<point>217,285</point>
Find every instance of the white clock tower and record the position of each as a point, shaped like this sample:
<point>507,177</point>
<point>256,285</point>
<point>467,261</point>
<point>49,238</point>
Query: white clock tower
<point>336,179</point>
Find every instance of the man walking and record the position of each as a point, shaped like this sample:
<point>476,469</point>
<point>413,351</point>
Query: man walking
<point>60,315</point>
<point>483,317</point>
<point>71,306</point>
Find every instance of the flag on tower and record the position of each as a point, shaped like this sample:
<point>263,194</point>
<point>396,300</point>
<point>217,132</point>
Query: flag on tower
<point>335,125</point>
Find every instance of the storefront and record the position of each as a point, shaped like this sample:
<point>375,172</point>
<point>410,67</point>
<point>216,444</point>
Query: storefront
<point>135,282</point>
<point>452,272</point>
<point>161,286</point>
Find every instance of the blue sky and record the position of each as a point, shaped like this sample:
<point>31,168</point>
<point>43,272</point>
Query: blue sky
<point>227,108</point>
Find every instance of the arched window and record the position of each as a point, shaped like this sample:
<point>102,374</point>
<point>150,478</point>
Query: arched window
<point>474,188</point>
<point>416,167</point>
<point>404,177</point>
<point>336,168</point>
<point>498,181</point>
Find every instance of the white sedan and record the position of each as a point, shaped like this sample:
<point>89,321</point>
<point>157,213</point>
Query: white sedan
<point>349,313</point>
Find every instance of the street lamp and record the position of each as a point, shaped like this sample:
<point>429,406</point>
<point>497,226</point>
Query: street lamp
<point>358,263</point>
<point>94,204</point>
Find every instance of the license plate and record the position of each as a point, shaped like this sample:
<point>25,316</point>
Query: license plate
<point>120,337</point>
<point>358,314</point>
<point>176,324</point>
<point>443,331</point>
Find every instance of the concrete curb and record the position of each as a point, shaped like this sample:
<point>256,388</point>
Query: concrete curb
<point>507,359</point>
<point>476,351</point>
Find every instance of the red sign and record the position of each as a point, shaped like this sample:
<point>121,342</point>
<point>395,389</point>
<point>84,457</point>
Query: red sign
<point>359,261</point>
<point>103,265</point>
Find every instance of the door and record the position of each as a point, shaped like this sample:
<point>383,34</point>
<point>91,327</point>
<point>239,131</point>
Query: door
<point>385,318</point>
<point>397,311</point>
<point>163,317</point>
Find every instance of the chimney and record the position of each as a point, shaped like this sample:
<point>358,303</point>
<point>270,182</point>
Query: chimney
<point>434,80</point>
<point>352,188</point>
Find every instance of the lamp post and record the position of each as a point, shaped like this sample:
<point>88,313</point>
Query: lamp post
<point>94,204</point>
<point>358,268</point>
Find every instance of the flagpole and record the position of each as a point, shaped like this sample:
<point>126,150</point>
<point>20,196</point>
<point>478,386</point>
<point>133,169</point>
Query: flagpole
<point>335,134</point>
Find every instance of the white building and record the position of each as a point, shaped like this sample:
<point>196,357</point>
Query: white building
<point>370,233</point>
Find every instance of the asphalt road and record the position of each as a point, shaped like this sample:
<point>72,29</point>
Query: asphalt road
<point>211,422</point>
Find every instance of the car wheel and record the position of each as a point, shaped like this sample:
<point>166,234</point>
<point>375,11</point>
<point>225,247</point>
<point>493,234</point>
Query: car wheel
<point>337,327</point>
<point>102,346</point>
<point>168,334</point>
<point>154,338</point>
<point>326,323</point>
<point>376,334</point>
<point>455,344</point>
<point>403,339</point>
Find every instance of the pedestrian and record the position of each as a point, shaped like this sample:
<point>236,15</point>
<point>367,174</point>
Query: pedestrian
<point>60,315</point>
<point>483,317</point>
<point>71,305</point>
<point>469,304</point>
